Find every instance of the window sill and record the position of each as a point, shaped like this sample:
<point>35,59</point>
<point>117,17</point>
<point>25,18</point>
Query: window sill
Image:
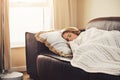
<point>20,45</point>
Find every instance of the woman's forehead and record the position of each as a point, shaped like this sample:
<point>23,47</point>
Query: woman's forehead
<point>66,34</point>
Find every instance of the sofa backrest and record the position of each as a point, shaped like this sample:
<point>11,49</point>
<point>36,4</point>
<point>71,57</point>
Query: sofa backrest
<point>105,23</point>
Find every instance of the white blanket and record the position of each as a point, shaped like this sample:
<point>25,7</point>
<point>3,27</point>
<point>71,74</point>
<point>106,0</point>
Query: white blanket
<point>97,51</point>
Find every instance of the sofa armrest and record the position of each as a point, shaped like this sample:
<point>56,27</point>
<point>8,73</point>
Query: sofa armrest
<point>33,49</point>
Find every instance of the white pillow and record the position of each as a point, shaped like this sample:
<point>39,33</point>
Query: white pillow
<point>54,41</point>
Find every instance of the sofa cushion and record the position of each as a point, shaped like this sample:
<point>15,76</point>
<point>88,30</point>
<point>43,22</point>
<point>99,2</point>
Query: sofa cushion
<point>54,41</point>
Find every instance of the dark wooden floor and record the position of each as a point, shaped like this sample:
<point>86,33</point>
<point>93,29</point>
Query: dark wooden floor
<point>26,76</point>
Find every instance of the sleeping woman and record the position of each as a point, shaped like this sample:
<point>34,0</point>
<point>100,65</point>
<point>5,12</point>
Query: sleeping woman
<point>70,33</point>
<point>94,50</point>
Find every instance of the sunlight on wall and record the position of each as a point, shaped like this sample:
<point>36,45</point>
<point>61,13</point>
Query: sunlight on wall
<point>97,8</point>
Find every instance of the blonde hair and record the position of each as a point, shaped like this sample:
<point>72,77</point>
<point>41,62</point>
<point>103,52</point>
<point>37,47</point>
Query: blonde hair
<point>71,29</point>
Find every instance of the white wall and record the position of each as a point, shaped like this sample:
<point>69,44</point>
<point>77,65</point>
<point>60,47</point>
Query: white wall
<point>18,59</point>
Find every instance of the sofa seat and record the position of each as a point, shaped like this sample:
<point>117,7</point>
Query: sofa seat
<point>52,68</point>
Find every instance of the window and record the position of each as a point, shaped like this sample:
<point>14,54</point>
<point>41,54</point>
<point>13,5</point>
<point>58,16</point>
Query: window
<point>28,16</point>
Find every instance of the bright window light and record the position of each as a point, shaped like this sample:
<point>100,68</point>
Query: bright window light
<point>32,18</point>
<point>28,0</point>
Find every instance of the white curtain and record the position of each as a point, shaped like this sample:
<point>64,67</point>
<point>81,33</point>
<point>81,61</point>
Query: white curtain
<point>65,13</point>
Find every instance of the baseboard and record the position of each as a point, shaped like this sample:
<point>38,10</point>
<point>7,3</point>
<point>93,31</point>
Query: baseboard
<point>19,68</point>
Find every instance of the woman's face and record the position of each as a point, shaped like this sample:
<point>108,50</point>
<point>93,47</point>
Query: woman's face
<point>69,36</point>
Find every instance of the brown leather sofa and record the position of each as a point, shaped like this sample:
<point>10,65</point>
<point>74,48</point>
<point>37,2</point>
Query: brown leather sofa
<point>42,64</point>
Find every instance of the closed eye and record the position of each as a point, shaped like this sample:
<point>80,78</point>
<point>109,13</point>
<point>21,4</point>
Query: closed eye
<point>69,35</point>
